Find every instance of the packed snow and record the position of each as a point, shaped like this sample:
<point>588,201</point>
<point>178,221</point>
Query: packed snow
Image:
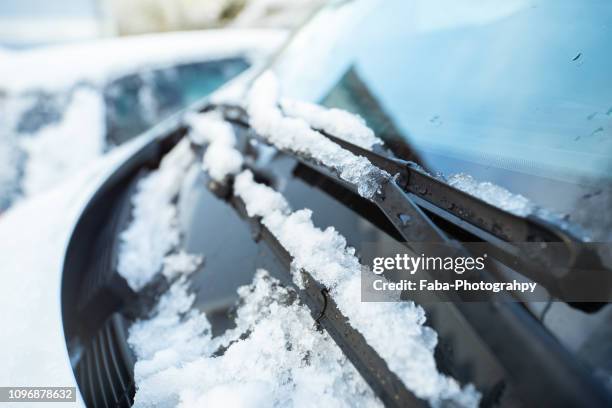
<point>153,231</point>
<point>492,194</point>
<point>221,158</point>
<point>325,255</point>
<point>337,122</point>
<point>273,357</point>
<point>296,135</point>
<point>64,148</point>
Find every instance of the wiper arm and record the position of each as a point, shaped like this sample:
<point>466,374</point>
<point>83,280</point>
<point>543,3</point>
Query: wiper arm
<point>416,195</point>
<point>508,234</point>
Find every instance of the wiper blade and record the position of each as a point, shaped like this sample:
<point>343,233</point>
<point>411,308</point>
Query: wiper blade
<point>415,194</point>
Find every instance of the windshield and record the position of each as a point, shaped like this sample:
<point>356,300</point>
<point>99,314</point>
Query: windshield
<point>514,92</point>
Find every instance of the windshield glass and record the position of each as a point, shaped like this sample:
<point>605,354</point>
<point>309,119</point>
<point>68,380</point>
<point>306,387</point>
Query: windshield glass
<point>514,92</point>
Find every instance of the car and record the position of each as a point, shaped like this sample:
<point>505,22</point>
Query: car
<point>223,261</point>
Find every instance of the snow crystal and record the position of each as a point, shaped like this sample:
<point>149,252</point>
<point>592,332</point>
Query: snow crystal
<point>176,333</point>
<point>180,262</point>
<point>324,254</point>
<point>337,122</point>
<point>221,158</point>
<point>61,149</point>
<point>273,357</point>
<point>492,194</point>
<point>153,231</point>
<point>295,134</point>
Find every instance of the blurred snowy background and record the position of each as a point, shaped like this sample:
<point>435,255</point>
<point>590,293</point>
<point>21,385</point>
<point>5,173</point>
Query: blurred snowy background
<point>34,22</point>
<point>79,77</point>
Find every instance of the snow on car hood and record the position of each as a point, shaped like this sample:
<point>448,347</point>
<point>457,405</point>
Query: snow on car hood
<point>97,61</point>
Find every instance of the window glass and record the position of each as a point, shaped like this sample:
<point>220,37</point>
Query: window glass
<point>514,92</point>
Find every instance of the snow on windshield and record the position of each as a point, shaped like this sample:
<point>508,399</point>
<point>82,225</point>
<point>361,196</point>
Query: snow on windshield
<point>153,231</point>
<point>238,358</point>
<point>325,254</point>
<point>296,135</point>
<point>492,194</point>
<point>274,356</point>
<point>264,356</point>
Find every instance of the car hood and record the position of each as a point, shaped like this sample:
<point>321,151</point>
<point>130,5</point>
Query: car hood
<point>33,239</point>
<point>99,61</point>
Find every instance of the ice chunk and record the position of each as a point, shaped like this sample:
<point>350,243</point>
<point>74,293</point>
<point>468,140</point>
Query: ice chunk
<point>407,346</point>
<point>336,122</point>
<point>153,231</point>
<point>221,158</point>
<point>274,357</point>
<point>295,135</point>
<point>492,194</point>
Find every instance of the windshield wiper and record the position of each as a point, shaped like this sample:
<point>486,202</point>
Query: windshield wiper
<point>426,200</point>
<point>521,346</point>
<point>512,238</point>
